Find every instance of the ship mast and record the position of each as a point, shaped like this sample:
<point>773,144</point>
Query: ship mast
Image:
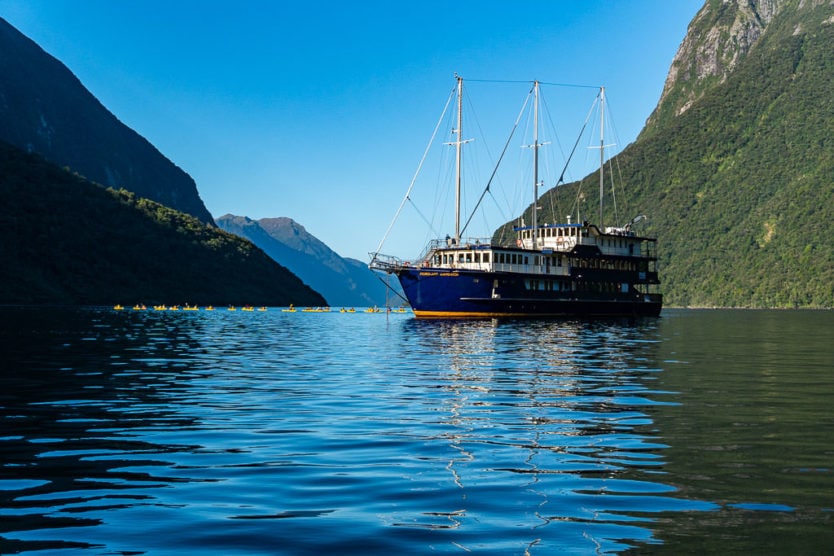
<point>535,163</point>
<point>458,152</point>
<point>601,149</point>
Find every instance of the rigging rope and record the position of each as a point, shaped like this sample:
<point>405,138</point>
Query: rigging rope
<point>579,195</point>
<point>500,158</point>
<point>387,285</point>
<point>417,172</point>
<point>487,189</point>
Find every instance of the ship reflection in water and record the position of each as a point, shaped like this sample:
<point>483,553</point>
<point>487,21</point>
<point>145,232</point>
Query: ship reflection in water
<point>230,432</point>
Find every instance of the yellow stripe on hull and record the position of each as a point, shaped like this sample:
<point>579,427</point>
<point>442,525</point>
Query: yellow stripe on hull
<point>467,315</point>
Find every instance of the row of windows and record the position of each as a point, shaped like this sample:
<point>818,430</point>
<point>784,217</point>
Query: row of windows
<point>519,259</point>
<point>621,243</point>
<point>572,232</point>
<point>555,232</point>
<point>477,257</point>
<point>607,264</point>
<point>464,257</point>
<point>556,286</point>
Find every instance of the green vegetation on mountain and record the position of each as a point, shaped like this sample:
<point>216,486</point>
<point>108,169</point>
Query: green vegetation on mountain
<point>739,187</point>
<point>64,240</point>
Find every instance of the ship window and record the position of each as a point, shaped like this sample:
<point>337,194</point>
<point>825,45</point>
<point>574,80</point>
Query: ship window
<point>486,257</point>
<point>469,257</point>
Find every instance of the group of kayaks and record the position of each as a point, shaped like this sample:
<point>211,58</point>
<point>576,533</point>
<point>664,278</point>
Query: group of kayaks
<point>185,307</point>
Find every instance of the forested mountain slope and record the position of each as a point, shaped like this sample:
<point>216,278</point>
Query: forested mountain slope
<point>65,240</point>
<point>735,169</point>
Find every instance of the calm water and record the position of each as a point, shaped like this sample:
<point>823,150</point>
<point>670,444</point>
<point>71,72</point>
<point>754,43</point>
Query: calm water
<point>278,433</point>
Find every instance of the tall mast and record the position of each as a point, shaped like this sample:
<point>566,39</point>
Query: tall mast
<point>458,150</point>
<point>535,162</point>
<point>601,149</point>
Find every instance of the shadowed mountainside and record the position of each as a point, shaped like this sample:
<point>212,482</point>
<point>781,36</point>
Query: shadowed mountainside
<point>45,109</point>
<point>64,240</point>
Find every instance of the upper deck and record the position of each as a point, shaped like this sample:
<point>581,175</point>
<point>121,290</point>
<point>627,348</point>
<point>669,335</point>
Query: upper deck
<point>559,249</point>
<point>619,242</point>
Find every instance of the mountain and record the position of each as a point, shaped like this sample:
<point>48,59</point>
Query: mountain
<point>45,109</point>
<point>718,38</point>
<point>734,167</point>
<point>343,282</point>
<point>65,240</point>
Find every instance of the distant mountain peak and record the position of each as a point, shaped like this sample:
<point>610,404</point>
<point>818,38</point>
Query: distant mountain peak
<point>341,281</point>
<point>296,236</point>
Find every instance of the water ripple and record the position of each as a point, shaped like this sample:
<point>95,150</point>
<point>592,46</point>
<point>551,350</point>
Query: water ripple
<point>308,433</point>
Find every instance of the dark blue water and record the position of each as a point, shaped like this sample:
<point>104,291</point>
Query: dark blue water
<point>308,433</point>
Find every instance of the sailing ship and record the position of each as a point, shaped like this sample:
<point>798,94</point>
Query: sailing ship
<point>576,269</point>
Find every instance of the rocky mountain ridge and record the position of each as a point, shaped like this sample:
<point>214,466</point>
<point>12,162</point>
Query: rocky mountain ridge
<point>720,35</point>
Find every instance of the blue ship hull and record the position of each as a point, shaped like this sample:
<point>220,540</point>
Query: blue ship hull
<point>448,293</point>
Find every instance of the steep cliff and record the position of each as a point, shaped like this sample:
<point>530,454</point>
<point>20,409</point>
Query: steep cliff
<point>45,109</point>
<point>719,37</point>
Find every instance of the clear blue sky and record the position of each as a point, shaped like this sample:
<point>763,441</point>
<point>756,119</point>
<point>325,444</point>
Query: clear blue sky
<point>320,111</point>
